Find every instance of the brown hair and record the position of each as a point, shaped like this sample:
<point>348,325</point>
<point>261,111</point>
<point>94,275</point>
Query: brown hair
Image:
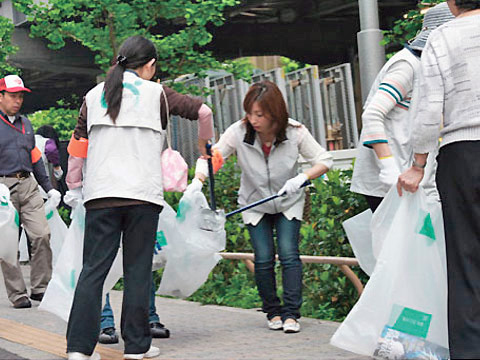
<point>270,99</point>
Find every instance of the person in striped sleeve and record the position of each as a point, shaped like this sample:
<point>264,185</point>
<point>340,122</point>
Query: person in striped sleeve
<point>385,143</point>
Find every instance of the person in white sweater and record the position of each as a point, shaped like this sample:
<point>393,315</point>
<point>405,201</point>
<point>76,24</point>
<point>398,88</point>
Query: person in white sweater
<point>385,143</point>
<point>450,87</point>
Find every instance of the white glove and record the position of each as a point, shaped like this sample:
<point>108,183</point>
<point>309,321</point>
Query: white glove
<point>73,197</point>
<point>195,185</point>
<point>293,185</point>
<point>389,172</point>
<point>55,196</point>
<point>58,172</point>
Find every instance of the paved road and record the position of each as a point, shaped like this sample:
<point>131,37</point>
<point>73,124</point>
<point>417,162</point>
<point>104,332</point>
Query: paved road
<point>197,332</point>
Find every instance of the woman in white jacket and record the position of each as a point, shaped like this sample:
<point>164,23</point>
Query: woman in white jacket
<point>268,145</point>
<point>118,142</point>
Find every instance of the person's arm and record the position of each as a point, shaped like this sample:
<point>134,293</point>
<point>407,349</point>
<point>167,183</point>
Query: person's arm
<point>77,149</point>
<point>427,120</point>
<point>225,146</point>
<point>189,108</point>
<point>320,159</point>
<point>315,155</point>
<point>410,179</point>
<point>40,174</point>
<point>391,93</point>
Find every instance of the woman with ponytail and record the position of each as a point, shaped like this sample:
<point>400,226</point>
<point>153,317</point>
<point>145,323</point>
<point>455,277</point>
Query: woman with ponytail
<point>115,168</point>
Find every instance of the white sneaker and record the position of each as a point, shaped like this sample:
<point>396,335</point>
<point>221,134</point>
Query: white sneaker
<point>80,356</point>
<point>275,323</point>
<point>291,327</point>
<point>151,353</point>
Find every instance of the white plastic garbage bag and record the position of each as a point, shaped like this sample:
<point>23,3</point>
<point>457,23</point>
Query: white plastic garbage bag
<point>359,235</point>
<point>402,312</point>
<point>58,230</point>
<point>58,297</point>
<point>193,252</point>
<point>166,230</point>
<point>9,222</point>
<point>382,219</point>
<point>23,247</point>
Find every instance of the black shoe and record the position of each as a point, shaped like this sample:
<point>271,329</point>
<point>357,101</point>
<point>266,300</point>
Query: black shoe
<point>22,303</point>
<point>108,336</point>
<point>37,297</point>
<point>159,331</point>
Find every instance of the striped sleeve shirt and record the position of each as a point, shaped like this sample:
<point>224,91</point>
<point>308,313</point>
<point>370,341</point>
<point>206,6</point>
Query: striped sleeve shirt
<point>393,92</point>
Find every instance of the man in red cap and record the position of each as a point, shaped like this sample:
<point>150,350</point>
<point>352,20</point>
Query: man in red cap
<point>19,158</point>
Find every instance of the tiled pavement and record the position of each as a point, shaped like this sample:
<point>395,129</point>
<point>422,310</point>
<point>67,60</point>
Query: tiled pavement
<point>197,332</point>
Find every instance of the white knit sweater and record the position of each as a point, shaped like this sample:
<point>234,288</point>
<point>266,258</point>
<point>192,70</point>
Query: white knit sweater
<point>449,86</point>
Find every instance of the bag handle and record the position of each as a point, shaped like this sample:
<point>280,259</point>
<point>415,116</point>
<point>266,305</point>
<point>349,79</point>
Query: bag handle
<point>169,130</point>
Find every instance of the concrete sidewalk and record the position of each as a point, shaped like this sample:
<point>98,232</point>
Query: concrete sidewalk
<point>197,332</point>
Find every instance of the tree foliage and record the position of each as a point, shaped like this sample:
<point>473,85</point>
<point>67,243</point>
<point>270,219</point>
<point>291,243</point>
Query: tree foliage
<point>61,118</point>
<point>408,26</point>
<point>103,25</point>
<point>6,46</point>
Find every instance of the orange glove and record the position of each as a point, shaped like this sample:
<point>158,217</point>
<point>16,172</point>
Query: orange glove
<point>217,161</point>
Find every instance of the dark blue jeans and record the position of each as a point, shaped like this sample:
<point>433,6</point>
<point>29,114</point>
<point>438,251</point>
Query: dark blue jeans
<point>107,319</point>
<point>287,234</point>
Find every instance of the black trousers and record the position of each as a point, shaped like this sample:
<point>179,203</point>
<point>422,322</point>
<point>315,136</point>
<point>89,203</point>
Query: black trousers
<point>373,202</point>
<point>103,229</point>
<point>458,182</point>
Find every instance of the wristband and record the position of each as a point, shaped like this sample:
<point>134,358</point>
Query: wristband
<point>420,166</point>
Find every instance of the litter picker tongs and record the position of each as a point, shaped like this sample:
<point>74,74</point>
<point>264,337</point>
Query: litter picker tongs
<point>213,219</point>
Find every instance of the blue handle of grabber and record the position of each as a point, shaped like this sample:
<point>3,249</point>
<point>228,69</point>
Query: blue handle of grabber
<point>260,202</point>
<point>211,182</point>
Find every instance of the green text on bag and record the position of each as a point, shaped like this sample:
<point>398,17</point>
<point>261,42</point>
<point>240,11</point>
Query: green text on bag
<point>410,321</point>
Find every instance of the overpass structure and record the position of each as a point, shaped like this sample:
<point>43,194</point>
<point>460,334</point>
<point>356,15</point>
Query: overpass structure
<point>320,32</point>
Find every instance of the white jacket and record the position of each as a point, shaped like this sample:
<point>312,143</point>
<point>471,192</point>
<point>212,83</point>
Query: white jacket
<point>124,158</point>
<point>264,176</point>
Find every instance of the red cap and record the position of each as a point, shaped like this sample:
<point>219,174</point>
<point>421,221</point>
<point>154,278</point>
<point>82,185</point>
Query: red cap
<point>12,83</point>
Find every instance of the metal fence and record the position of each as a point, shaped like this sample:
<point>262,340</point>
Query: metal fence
<point>336,87</point>
<point>321,99</point>
<point>305,101</point>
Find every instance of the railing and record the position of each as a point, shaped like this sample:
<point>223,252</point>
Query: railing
<point>321,99</point>
<point>343,263</point>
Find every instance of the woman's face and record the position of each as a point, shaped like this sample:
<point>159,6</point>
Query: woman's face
<point>259,120</point>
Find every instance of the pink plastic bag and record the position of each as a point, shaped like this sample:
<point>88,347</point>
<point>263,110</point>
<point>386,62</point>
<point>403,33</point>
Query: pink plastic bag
<point>174,171</point>
<point>174,167</point>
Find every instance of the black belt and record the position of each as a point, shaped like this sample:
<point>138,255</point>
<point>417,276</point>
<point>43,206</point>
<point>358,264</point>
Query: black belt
<point>20,175</point>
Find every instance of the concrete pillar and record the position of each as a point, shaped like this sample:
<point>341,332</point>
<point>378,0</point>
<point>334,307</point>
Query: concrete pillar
<point>370,53</point>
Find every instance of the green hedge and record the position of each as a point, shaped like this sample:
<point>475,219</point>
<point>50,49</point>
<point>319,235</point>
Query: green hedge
<point>327,293</point>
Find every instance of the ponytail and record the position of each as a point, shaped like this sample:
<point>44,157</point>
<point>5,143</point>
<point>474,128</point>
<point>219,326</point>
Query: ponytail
<point>135,52</point>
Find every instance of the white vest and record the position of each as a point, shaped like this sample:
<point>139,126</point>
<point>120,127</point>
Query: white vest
<point>399,124</point>
<point>262,177</point>
<point>124,158</point>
